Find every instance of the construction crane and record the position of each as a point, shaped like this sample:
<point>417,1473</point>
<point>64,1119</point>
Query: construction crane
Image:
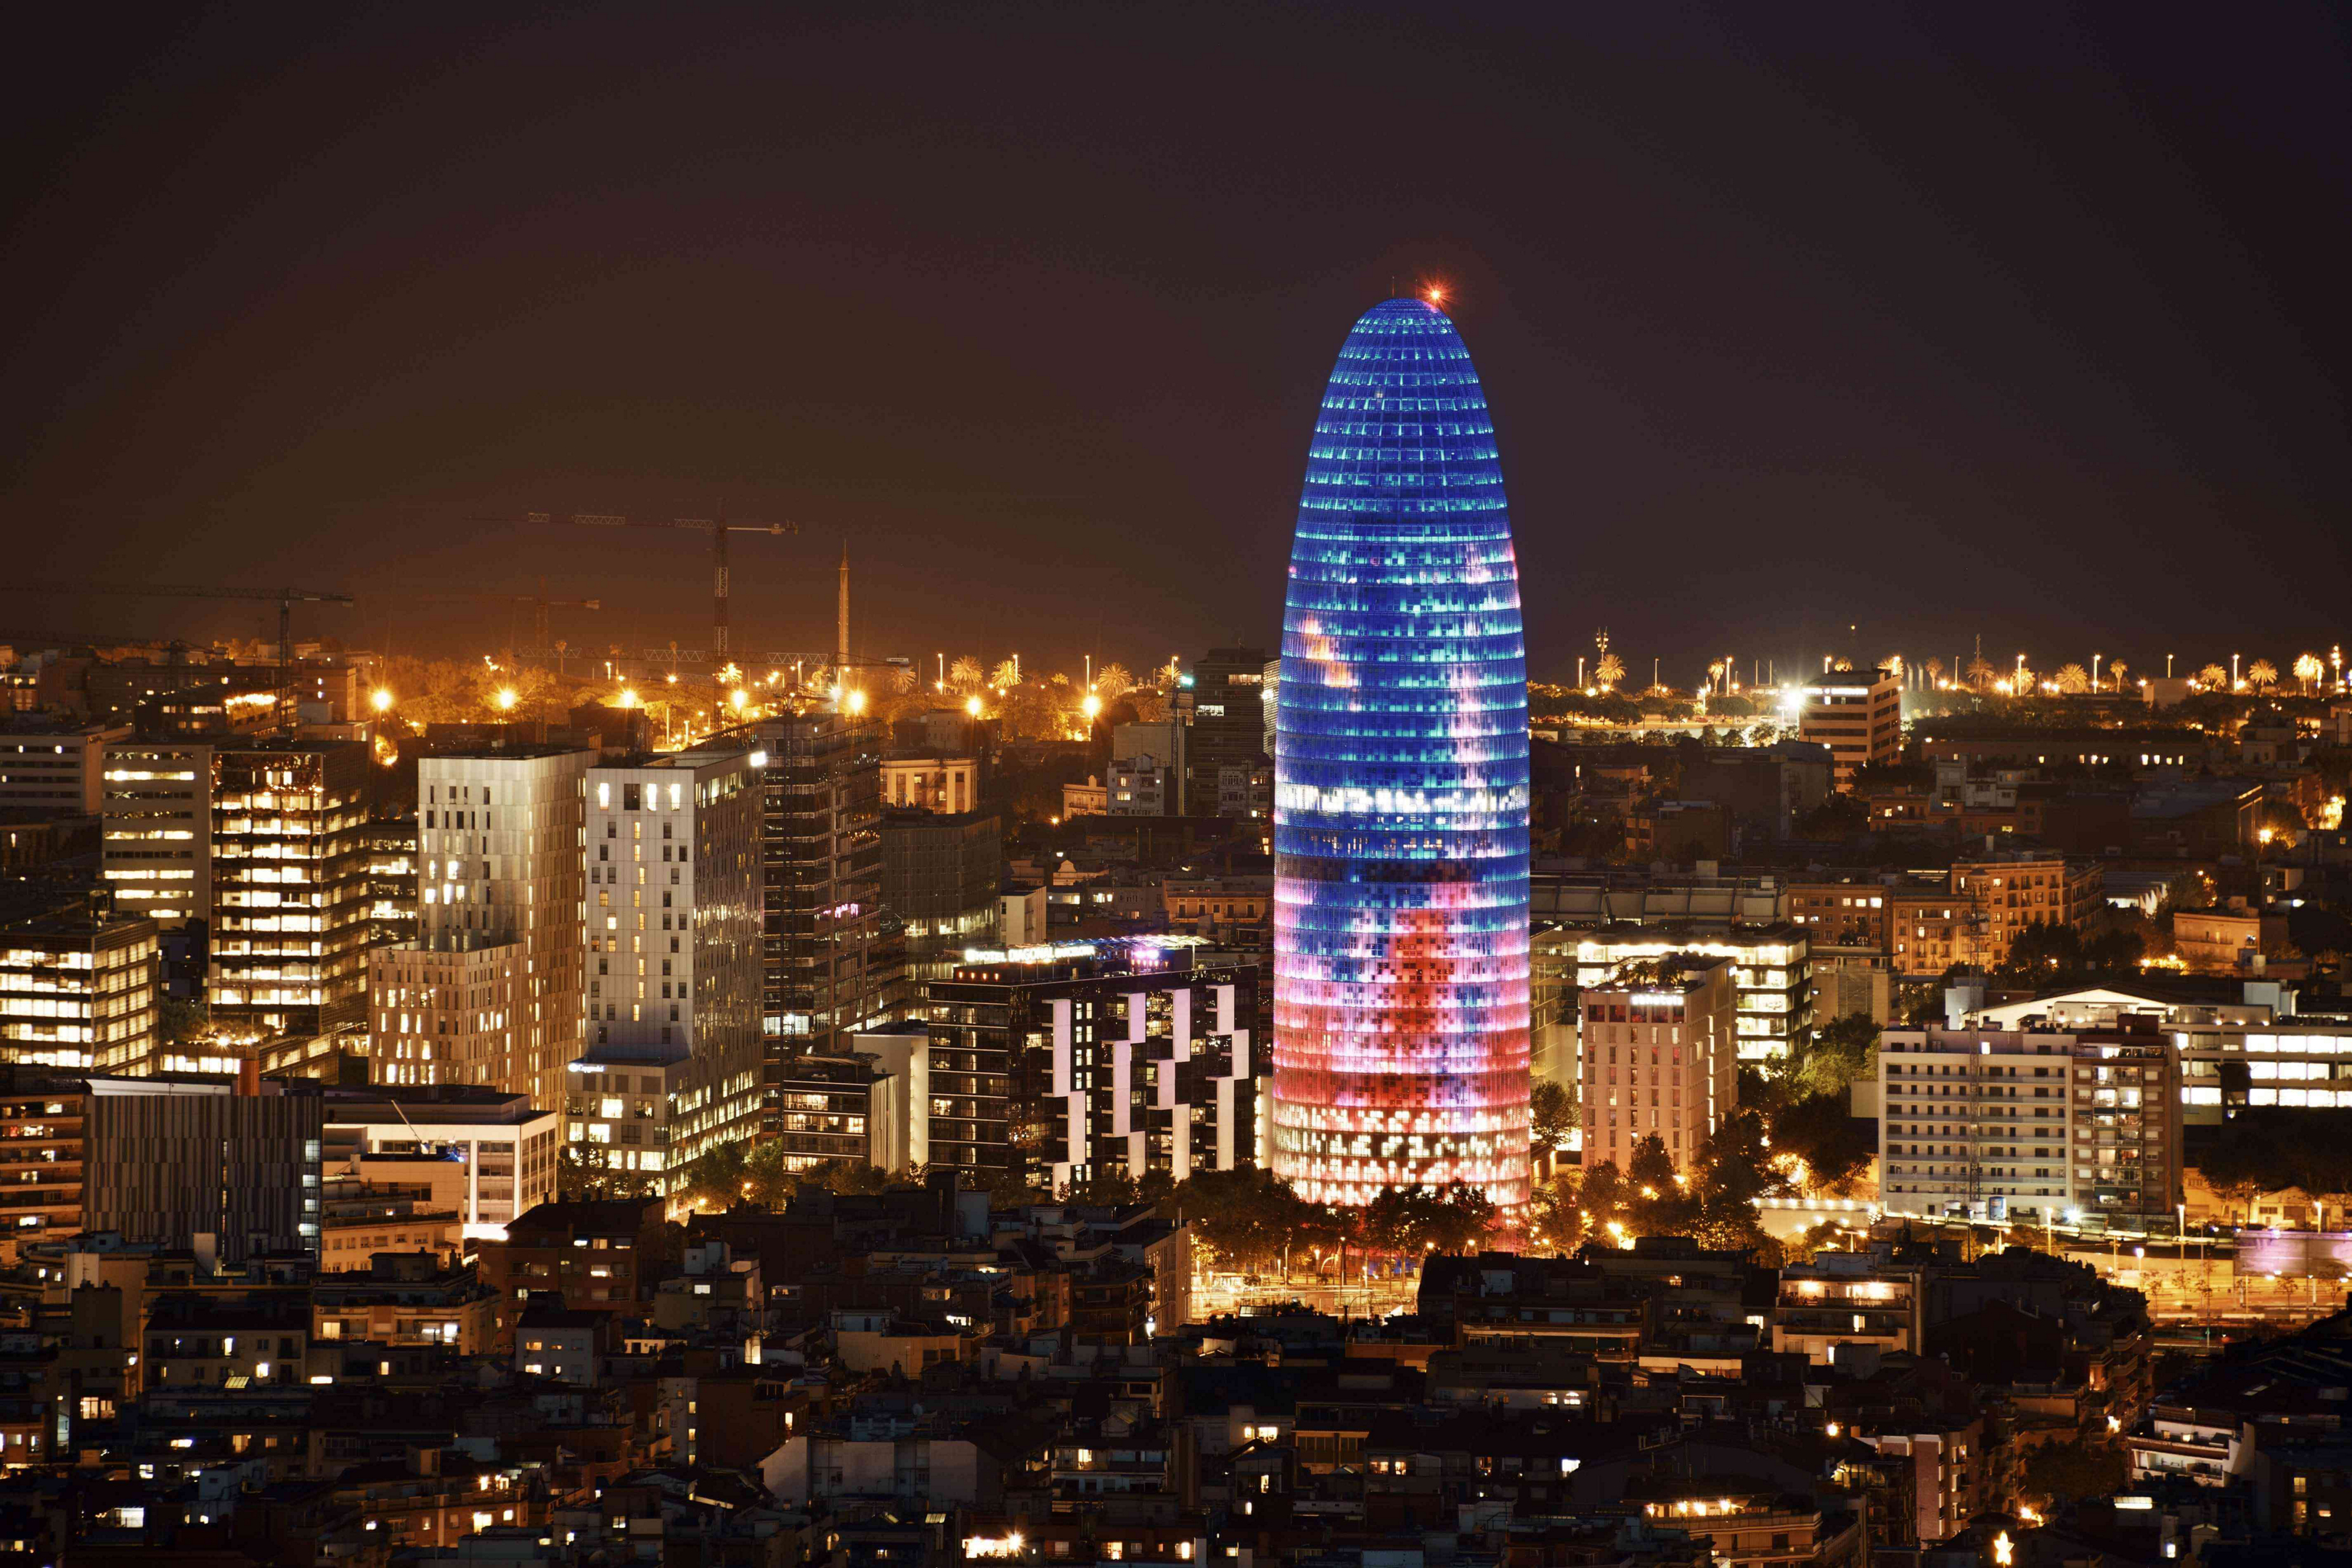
<point>286,598</point>
<point>719,528</point>
<point>539,605</point>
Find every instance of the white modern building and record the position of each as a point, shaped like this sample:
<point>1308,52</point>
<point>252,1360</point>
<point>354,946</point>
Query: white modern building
<point>488,1154</point>
<point>675,902</point>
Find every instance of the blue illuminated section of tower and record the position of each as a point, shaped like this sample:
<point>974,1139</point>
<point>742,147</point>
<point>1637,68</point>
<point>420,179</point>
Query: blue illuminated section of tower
<point>1401,798</point>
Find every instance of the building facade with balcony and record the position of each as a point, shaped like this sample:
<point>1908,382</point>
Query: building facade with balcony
<point>2029,1125</point>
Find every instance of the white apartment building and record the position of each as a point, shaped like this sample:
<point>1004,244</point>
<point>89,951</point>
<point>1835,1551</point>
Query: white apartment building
<point>498,843</point>
<point>2029,1125</point>
<point>672,1066</point>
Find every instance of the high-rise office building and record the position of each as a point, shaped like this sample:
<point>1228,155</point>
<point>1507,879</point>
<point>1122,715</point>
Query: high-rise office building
<point>940,878</point>
<point>79,989</point>
<point>675,977</point>
<point>499,842</point>
<point>1228,723</point>
<point>1400,802</point>
<point>833,963</point>
<point>290,921</point>
<point>157,828</point>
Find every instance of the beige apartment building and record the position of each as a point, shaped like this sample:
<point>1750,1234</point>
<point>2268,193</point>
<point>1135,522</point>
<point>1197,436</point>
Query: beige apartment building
<point>1661,1058</point>
<point>500,864</point>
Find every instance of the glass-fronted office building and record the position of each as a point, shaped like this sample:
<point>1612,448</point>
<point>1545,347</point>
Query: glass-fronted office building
<point>1400,765</point>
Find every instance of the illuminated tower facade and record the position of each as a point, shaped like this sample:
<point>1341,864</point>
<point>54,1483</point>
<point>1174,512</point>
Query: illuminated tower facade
<point>1400,799</point>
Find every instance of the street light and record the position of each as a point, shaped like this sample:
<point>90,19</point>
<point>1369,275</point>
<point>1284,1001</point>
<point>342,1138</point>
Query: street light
<point>382,700</point>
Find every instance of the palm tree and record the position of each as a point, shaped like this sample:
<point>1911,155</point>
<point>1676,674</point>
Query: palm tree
<point>1935,671</point>
<point>2262,675</point>
<point>904,678</point>
<point>2027,678</point>
<point>964,675</point>
<point>2117,668</point>
<point>1713,673</point>
<point>2308,667</point>
<point>1610,670</point>
<point>1005,676</point>
<point>2213,678</point>
<point>2073,679</point>
<point>1981,673</point>
<point>1112,682</point>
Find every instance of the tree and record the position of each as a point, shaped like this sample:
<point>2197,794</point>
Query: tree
<point>965,674</point>
<point>1106,1187</point>
<point>1006,675</point>
<point>716,1179</point>
<point>2213,678</point>
<point>179,1022</point>
<point>2073,679</point>
<point>1112,682</point>
<point>2068,1473</point>
<point>1834,1056</point>
<point>1935,671</point>
<point>1555,1216</point>
<point>1608,671</point>
<point>2262,675</point>
<point>1601,1203</point>
<point>1820,1131</point>
<point>2117,668</point>
<point>2308,667</point>
<point>1553,1112</point>
<point>1981,673</point>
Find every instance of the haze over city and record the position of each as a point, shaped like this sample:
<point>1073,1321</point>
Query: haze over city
<point>1025,305</point>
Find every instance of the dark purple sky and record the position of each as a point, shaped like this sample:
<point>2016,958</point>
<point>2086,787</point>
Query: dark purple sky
<point>1949,320</point>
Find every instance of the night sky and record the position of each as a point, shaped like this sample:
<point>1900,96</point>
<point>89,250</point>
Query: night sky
<point>1946,319</point>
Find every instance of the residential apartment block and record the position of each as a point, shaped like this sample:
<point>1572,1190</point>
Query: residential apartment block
<point>2029,1124</point>
<point>1660,1057</point>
